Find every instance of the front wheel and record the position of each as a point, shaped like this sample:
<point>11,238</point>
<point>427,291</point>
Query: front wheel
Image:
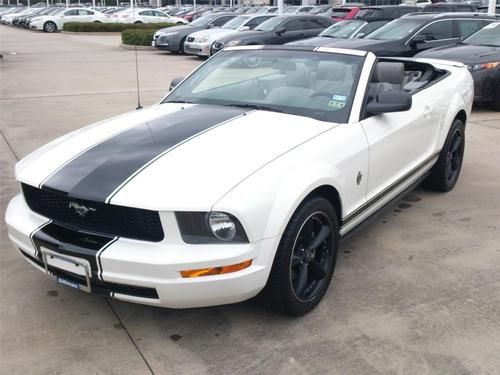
<point>305,259</point>
<point>49,27</point>
<point>444,174</point>
<point>496,100</point>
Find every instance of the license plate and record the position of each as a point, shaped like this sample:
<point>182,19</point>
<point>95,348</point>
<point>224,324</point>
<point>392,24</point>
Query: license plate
<point>74,265</point>
<point>70,283</point>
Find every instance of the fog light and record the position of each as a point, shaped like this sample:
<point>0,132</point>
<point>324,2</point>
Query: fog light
<point>217,270</point>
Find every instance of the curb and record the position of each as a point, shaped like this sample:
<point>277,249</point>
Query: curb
<point>90,33</point>
<point>130,47</point>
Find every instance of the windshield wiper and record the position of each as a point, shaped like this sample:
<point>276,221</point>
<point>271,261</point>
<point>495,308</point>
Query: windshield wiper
<point>254,106</point>
<point>178,101</point>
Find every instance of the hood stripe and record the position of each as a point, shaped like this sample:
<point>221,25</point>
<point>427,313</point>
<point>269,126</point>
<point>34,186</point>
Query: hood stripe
<point>101,171</point>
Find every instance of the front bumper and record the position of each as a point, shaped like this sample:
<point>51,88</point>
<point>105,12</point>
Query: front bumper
<point>139,271</point>
<point>199,49</point>
<point>486,83</point>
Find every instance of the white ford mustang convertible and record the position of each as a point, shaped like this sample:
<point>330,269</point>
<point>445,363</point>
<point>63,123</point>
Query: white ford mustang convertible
<point>242,181</point>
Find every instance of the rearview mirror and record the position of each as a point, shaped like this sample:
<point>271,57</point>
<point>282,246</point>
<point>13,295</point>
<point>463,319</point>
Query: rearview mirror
<point>280,31</point>
<point>175,82</point>
<point>390,101</point>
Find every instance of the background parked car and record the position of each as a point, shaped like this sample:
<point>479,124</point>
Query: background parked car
<point>347,29</point>
<point>386,12</point>
<point>413,33</point>
<point>173,38</point>
<point>277,30</point>
<point>341,13</point>
<point>199,43</point>
<point>53,22</point>
<point>298,9</point>
<point>450,7</point>
<point>481,53</point>
<point>150,16</point>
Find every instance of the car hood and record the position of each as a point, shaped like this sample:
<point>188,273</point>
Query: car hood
<point>317,41</point>
<point>167,157</point>
<point>467,54</point>
<point>209,32</point>
<point>184,28</point>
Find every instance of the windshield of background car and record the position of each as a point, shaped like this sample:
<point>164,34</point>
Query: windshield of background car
<point>235,22</point>
<point>270,24</point>
<point>202,21</point>
<point>339,12</point>
<point>313,84</point>
<point>342,29</point>
<point>397,29</point>
<point>488,35</point>
<point>318,10</point>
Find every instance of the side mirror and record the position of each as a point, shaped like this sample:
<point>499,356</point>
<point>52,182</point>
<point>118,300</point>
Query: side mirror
<point>280,31</point>
<point>175,82</point>
<point>418,39</point>
<point>210,26</point>
<point>359,35</point>
<point>390,101</point>
<point>245,28</point>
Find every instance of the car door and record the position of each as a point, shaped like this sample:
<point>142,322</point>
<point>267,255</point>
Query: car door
<point>146,16</point>
<point>70,15</point>
<point>160,16</point>
<point>436,34</point>
<point>256,21</point>
<point>85,15</point>
<point>290,30</point>
<point>401,142</point>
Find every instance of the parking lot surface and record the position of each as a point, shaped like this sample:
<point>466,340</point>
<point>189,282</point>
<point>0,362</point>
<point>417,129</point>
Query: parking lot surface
<point>416,292</point>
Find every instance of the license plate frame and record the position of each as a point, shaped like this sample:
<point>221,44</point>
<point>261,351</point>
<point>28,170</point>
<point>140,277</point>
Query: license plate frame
<point>75,265</point>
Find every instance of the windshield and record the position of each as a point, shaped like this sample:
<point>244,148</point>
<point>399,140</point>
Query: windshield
<point>270,24</point>
<point>236,22</point>
<point>202,21</point>
<point>291,9</point>
<point>339,13</point>
<point>397,29</point>
<point>312,84</point>
<point>318,10</point>
<point>342,29</point>
<point>370,12</point>
<point>488,35</point>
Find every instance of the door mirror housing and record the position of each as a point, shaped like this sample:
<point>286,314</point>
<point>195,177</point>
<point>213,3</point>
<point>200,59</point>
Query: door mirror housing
<point>210,26</point>
<point>245,28</point>
<point>390,101</point>
<point>175,82</point>
<point>418,39</point>
<point>280,30</point>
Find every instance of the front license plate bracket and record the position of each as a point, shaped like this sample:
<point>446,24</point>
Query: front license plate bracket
<point>80,267</point>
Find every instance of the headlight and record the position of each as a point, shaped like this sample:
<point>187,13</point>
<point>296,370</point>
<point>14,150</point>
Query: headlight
<point>169,33</point>
<point>210,227</point>
<point>490,65</point>
<point>234,42</point>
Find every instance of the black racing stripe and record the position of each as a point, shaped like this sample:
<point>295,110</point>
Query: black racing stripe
<point>65,241</point>
<point>98,172</point>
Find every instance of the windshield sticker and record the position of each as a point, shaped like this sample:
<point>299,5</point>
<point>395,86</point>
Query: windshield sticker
<point>339,98</point>
<point>336,104</point>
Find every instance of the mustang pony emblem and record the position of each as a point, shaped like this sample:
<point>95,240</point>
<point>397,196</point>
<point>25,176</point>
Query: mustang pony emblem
<point>81,210</point>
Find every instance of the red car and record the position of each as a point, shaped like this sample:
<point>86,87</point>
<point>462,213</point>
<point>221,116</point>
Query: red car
<point>342,13</point>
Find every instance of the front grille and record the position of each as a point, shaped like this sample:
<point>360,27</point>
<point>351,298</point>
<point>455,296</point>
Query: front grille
<point>190,39</point>
<point>99,218</point>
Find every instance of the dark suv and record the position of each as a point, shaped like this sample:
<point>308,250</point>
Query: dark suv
<point>450,7</point>
<point>277,30</point>
<point>414,33</point>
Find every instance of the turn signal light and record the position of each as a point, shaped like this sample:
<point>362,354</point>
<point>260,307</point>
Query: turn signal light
<point>217,270</point>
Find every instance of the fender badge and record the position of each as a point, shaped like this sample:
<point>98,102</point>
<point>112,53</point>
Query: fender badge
<point>358,179</point>
<point>81,210</point>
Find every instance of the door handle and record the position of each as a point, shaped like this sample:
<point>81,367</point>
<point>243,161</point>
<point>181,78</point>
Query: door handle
<point>427,111</point>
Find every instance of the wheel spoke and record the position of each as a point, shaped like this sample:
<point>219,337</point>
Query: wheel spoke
<point>303,271</point>
<point>456,144</point>
<point>297,258</point>
<point>317,269</point>
<point>323,233</point>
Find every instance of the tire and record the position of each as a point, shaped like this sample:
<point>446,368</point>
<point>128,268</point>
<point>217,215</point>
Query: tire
<point>181,46</point>
<point>137,22</point>
<point>97,22</point>
<point>286,291</point>
<point>444,175</point>
<point>49,27</point>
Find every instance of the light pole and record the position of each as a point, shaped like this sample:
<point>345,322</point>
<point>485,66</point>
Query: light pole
<point>491,7</point>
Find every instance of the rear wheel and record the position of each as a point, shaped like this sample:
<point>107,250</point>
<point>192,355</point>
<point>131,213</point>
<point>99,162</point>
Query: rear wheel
<point>444,175</point>
<point>49,27</point>
<point>137,22</point>
<point>305,259</point>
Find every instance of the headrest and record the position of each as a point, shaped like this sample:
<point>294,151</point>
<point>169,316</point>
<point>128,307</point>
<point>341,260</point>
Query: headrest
<point>389,72</point>
<point>331,71</point>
